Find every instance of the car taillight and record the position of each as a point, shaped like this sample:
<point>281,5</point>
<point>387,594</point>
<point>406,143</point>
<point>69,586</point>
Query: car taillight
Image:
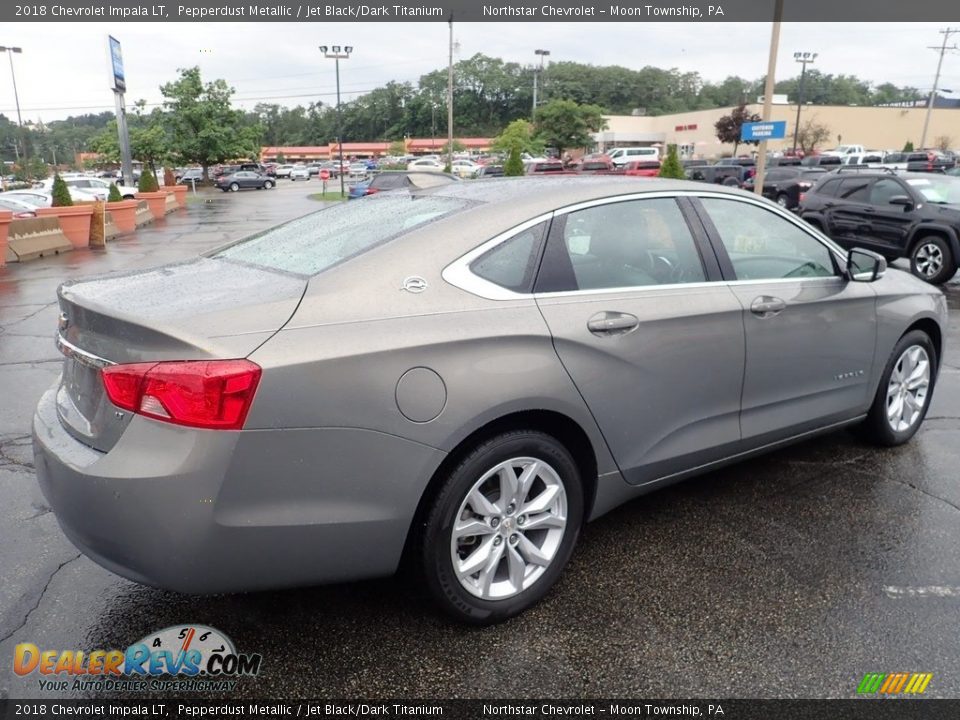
<point>803,196</point>
<point>213,394</point>
<point>372,191</point>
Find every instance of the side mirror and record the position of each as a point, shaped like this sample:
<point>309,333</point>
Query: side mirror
<point>902,200</point>
<point>865,265</point>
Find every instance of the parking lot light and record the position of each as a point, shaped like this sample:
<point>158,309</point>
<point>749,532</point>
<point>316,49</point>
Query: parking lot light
<point>336,53</point>
<point>806,58</point>
<point>10,53</point>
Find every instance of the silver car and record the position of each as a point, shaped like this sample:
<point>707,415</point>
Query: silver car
<point>463,376</point>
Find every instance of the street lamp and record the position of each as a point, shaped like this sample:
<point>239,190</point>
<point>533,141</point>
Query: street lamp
<point>10,51</point>
<point>542,54</point>
<point>805,58</point>
<point>337,53</point>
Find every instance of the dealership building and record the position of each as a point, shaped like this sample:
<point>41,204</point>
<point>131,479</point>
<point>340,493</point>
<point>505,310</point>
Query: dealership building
<point>876,128</point>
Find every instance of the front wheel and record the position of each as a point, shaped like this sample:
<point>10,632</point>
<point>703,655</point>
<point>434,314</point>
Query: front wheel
<point>931,260</point>
<point>267,185</point>
<point>234,187</point>
<point>905,390</point>
<point>502,527</point>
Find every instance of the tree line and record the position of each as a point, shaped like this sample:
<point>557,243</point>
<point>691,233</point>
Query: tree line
<point>489,93</point>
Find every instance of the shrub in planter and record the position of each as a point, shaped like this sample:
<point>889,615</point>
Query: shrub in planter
<point>170,186</point>
<point>514,164</point>
<point>114,193</point>
<point>60,193</point>
<point>148,183</point>
<point>169,180</point>
<point>97,225</point>
<point>672,167</point>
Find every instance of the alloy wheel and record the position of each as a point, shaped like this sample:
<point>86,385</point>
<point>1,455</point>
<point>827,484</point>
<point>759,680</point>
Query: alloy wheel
<point>509,528</point>
<point>907,389</point>
<point>928,259</point>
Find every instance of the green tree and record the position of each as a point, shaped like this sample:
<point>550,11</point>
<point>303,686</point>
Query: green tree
<point>457,147</point>
<point>114,194</point>
<point>514,165</point>
<point>812,133</point>
<point>671,166</point>
<point>205,128</point>
<point>60,193</point>
<point>729,126</point>
<point>564,124</point>
<point>518,134</point>
<point>397,148</point>
<point>908,146</point>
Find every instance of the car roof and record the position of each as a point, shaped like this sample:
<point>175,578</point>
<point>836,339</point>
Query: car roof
<point>539,194</point>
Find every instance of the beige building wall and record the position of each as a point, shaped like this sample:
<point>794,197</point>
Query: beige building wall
<point>873,127</point>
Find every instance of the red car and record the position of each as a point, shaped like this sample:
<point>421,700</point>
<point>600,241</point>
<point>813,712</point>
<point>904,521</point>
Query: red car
<point>547,167</point>
<point>643,168</point>
<point>596,165</point>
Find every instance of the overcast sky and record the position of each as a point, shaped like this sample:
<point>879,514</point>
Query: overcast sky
<point>63,68</point>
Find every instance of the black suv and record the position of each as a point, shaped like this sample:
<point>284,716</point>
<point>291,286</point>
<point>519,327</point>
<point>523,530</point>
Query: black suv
<point>912,215</point>
<point>786,185</point>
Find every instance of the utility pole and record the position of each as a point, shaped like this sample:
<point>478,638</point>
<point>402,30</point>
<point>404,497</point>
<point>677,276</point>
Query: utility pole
<point>942,49</point>
<point>768,95</point>
<point>805,58</point>
<point>10,51</point>
<point>450,100</point>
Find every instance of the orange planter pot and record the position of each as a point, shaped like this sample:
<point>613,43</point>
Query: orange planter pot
<point>74,221</point>
<point>157,202</point>
<point>179,191</point>
<point>124,214</point>
<point>6,217</point>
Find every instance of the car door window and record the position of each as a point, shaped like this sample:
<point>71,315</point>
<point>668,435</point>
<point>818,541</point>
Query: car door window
<point>884,189</point>
<point>634,243</point>
<point>762,245</point>
<point>854,190</point>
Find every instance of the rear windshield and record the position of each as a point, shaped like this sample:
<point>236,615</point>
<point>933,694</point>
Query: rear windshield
<point>323,239</point>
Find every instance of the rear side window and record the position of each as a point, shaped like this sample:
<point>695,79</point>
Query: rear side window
<point>854,189</point>
<point>389,181</point>
<point>512,264</point>
<point>325,238</point>
<point>828,188</point>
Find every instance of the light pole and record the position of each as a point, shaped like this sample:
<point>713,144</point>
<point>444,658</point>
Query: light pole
<point>337,53</point>
<point>542,54</point>
<point>10,51</point>
<point>942,49</point>
<point>805,58</point>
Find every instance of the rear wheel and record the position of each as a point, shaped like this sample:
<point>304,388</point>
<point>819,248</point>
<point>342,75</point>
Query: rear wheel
<point>502,527</point>
<point>783,200</point>
<point>234,187</point>
<point>931,260</point>
<point>904,393</point>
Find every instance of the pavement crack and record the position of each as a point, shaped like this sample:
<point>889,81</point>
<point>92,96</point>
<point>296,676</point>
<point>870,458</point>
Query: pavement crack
<point>921,490</point>
<point>17,441</point>
<point>46,585</point>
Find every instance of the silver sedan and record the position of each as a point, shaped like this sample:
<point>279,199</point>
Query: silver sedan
<point>462,376</point>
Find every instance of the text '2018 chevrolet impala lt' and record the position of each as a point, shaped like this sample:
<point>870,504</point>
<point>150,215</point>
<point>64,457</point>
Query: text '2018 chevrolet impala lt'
<point>461,376</point>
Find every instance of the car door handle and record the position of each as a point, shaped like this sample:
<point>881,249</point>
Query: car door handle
<point>766,306</point>
<point>612,323</point>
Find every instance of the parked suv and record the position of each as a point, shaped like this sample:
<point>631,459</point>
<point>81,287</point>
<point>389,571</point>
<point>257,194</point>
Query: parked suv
<point>787,185</point>
<point>912,215</point>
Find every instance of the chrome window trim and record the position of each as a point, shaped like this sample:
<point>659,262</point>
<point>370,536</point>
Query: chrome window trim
<point>459,275</point>
<point>82,356</point>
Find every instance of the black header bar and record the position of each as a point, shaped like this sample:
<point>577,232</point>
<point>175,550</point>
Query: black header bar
<point>853,11</point>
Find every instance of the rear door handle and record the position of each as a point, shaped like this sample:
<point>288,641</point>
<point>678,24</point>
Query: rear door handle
<point>766,306</point>
<point>612,323</point>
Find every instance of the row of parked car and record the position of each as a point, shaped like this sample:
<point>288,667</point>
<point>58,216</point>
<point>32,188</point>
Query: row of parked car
<point>24,202</point>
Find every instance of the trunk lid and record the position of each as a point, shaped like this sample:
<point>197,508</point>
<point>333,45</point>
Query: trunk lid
<point>206,308</point>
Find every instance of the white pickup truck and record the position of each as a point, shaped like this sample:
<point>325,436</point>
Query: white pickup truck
<point>844,150</point>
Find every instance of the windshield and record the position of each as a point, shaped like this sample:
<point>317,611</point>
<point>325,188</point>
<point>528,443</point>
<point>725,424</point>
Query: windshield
<point>938,189</point>
<point>325,238</point>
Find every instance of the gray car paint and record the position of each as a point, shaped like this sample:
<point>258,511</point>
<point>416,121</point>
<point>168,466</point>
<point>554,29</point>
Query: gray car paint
<point>325,479</point>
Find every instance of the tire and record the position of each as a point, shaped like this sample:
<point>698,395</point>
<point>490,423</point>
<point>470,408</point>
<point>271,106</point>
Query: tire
<point>879,428</point>
<point>783,200</point>
<point>931,260</point>
<point>234,187</point>
<point>730,182</point>
<point>540,554</point>
<point>267,185</point>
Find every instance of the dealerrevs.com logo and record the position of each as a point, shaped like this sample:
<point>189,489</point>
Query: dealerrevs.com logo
<point>897,683</point>
<point>181,658</point>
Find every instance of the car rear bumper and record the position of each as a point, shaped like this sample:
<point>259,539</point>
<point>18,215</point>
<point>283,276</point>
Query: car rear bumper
<point>209,511</point>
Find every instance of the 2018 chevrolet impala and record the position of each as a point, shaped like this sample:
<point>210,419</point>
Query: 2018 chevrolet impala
<point>464,374</point>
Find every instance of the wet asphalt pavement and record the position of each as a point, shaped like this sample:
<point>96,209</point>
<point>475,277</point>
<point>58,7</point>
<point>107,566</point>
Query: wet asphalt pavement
<point>787,576</point>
